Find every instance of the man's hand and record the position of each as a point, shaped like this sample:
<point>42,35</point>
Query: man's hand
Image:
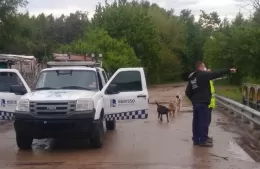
<point>233,70</point>
<point>209,70</point>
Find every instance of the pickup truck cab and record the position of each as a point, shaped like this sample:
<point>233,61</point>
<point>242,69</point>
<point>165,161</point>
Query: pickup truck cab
<point>73,100</point>
<point>11,79</point>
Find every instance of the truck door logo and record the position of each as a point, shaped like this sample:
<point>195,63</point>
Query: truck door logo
<point>112,103</point>
<point>3,103</point>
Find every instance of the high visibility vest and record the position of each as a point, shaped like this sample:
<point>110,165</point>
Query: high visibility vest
<point>213,99</point>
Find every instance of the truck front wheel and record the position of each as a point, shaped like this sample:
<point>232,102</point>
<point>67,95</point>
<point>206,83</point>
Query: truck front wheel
<point>98,135</point>
<point>111,125</point>
<point>23,142</point>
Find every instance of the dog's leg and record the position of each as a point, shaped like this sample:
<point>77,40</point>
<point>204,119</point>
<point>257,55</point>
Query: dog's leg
<point>161,118</point>
<point>167,117</point>
<point>158,115</point>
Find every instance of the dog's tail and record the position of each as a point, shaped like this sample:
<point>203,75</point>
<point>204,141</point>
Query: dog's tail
<point>156,103</point>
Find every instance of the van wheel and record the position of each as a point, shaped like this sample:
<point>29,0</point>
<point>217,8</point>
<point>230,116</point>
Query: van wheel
<point>23,142</point>
<point>111,125</point>
<point>97,139</point>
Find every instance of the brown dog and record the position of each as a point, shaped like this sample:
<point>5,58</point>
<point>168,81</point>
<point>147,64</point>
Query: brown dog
<point>172,108</point>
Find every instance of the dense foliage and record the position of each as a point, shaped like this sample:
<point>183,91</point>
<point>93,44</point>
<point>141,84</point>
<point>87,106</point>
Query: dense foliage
<point>135,33</point>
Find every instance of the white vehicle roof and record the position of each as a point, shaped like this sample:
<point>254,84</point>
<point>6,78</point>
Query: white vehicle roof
<point>71,68</point>
<point>9,70</point>
<point>74,65</point>
<point>16,57</point>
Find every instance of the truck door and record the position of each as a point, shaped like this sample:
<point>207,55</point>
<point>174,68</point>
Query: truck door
<point>125,95</point>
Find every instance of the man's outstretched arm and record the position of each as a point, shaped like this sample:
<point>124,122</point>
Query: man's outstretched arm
<point>217,74</point>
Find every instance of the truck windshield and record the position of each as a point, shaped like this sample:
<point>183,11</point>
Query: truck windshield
<point>67,79</point>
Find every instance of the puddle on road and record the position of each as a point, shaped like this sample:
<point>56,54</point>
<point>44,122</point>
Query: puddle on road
<point>237,152</point>
<point>243,147</point>
<point>5,125</point>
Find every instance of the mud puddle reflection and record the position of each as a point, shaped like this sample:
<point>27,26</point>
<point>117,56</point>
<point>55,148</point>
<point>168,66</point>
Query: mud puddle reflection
<point>60,144</point>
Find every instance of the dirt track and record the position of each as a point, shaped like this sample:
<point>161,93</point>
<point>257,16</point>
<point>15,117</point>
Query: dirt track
<point>142,144</point>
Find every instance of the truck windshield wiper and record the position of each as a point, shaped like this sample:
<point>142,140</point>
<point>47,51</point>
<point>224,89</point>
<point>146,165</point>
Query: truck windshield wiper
<point>74,87</point>
<point>44,88</point>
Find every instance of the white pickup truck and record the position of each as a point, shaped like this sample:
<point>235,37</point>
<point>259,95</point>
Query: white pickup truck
<point>74,100</point>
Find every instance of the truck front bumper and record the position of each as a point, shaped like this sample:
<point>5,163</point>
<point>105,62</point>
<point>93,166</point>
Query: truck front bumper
<point>75,126</point>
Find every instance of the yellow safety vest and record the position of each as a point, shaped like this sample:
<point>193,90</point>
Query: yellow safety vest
<point>213,99</point>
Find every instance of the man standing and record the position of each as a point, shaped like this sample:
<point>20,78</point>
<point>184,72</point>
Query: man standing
<point>198,91</point>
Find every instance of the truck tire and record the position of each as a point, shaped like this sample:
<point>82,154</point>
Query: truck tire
<point>97,139</point>
<point>111,125</point>
<point>23,142</point>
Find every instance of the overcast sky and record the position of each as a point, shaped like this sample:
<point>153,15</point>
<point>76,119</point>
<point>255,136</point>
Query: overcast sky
<point>225,8</point>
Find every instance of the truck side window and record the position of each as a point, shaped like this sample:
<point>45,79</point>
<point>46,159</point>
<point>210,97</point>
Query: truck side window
<point>128,81</point>
<point>7,79</point>
<point>99,81</point>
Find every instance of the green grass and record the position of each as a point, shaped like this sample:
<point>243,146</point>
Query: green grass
<point>230,91</point>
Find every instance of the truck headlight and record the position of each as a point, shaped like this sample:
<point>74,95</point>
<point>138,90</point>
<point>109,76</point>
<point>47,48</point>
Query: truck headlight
<point>23,106</point>
<point>84,104</point>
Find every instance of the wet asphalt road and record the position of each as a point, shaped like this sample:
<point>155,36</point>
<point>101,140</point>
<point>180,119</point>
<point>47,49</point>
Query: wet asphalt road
<point>140,144</point>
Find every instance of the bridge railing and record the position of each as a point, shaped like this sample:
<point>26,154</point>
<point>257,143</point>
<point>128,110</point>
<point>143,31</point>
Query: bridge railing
<point>247,114</point>
<point>251,95</point>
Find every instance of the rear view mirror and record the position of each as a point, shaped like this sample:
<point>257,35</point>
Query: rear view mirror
<point>112,89</point>
<point>18,89</point>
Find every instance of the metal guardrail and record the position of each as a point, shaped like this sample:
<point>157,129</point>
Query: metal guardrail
<point>247,114</point>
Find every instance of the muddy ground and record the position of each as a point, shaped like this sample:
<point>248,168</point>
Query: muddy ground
<point>139,144</point>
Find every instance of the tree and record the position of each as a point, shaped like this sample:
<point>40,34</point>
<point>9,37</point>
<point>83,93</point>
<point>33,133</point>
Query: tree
<point>8,26</point>
<point>138,33</point>
<point>116,53</point>
<point>129,21</point>
<point>238,46</point>
<point>194,43</point>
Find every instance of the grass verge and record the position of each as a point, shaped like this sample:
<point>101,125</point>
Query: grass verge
<point>230,91</point>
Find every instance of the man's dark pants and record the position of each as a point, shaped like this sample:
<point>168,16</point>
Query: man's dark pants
<point>210,115</point>
<point>200,123</point>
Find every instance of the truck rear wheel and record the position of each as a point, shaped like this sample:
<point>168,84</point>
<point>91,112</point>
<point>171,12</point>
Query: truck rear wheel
<point>98,136</point>
<point>111,125</point>
<point>23,142</point>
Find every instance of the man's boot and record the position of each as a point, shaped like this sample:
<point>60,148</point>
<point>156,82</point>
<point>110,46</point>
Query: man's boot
<point>206,144</point>
<point>210,140</point>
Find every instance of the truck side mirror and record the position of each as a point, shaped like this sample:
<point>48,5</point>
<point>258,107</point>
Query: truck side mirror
<point>18,89</point>
<point>112,89</point>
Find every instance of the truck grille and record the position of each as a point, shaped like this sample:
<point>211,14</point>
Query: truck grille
<point>52,108</point>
